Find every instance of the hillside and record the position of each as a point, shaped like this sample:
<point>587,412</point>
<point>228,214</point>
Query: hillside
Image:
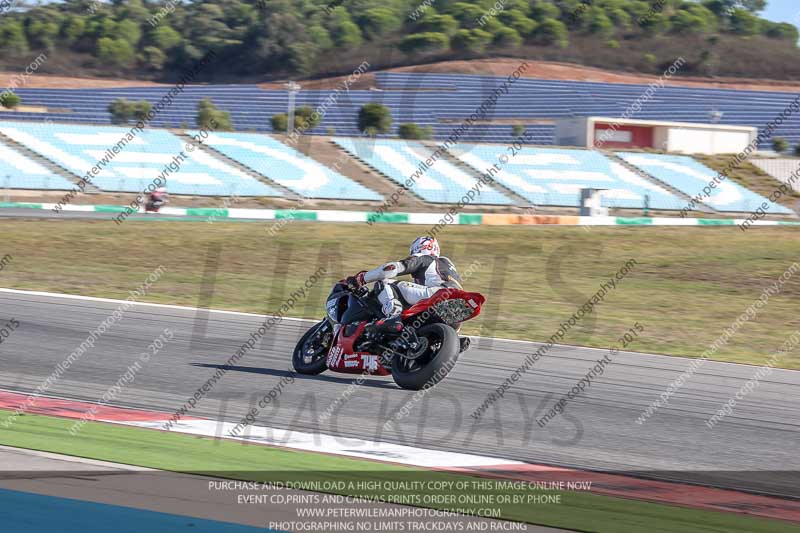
<point>257,41</point>
<point>495,66</point>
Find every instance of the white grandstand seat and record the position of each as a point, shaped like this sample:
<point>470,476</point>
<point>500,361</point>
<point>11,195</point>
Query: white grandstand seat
<point>782,169</point>
<point>287,166</point>
<point>690,177</point>
<point>443,182</point>
<point>20,172</point>
<point>555,177</point>
<point>138,163</point>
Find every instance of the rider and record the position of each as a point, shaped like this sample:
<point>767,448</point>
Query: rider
<point>159,196</point>
<point>429,271</point>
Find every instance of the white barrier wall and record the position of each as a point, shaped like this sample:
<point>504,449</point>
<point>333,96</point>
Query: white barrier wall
<point>701,140</point>
<point>680,137</point>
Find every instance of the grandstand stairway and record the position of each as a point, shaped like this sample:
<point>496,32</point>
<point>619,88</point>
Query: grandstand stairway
<point>518,200</point>
<point>48,164</point>
<point>290,194</point>
<point>328,153</point>
<point>614,157</point>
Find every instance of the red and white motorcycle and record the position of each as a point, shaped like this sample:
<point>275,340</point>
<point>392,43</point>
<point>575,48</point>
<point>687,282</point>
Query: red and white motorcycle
<point>418,349</point>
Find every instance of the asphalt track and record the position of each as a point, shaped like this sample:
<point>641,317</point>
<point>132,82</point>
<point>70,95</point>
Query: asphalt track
<point>755,448</point>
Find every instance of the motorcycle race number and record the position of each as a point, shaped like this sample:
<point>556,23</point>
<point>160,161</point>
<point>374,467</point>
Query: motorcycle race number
<point>343,358</point>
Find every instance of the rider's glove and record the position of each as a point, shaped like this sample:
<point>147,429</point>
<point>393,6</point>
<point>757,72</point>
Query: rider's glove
<point>357,281</point>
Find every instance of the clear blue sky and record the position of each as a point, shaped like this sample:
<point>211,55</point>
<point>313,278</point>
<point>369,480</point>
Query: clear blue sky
<point>783,11</point>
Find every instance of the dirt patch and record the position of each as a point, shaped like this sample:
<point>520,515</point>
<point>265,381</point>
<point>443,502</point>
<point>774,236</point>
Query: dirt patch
<point>45,81</point>
<point>487,67</point>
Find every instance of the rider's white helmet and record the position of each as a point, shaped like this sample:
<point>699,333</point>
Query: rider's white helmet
<point>425,246</point>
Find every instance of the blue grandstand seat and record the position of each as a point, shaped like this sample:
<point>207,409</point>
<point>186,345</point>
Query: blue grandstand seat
<point>555,177</point>
<point>287,166</point>
<point>434,100</point>
<point>443,182</point>
<point>20,172</point>
<point>690,177</point>
<point>138,163</point>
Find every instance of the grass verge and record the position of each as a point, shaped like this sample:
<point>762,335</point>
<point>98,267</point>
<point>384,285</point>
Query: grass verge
<point>688,285</point>
<point>188,454</point>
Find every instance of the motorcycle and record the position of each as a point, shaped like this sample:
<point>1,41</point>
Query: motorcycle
<point>154,204</point>
<point>418,349</point>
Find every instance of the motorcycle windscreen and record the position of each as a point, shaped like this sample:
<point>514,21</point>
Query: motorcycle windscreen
<point>336,305</point>
<point>355,312</point>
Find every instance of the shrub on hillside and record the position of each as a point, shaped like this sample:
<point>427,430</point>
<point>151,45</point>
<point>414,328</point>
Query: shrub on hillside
<point>123,111</point>
<point>413,131</point>
<point>141,109</point>
<point>9,100</point>
<point>374,119</point>
<point>305,118</point>
<point>279,122</point>
<point>780,145</point>
<point>211,118</point>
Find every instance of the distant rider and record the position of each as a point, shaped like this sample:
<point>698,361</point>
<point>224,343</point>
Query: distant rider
<point>429,271</point>
<point>158,197</point>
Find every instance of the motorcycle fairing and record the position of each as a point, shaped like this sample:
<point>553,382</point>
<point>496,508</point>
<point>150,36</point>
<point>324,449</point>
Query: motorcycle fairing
<point>453,306</point>
<point>342,356</point>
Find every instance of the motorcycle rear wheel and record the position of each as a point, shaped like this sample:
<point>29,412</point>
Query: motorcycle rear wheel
<point>310,347</point>
<point>430,368</point>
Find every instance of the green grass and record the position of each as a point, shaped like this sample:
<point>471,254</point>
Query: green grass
<point>689,284</point>
<point>183,453</point>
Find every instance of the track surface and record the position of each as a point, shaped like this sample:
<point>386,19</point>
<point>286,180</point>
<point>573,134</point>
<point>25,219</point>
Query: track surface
<point>755,448</point>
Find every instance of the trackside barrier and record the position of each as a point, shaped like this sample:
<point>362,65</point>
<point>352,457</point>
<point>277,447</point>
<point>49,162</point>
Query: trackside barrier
<point>411,218</point>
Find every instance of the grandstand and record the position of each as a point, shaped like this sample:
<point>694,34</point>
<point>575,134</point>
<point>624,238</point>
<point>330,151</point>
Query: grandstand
<point>690,177</point>
<point>435,100</point>
<point>286,166</point>
<point>77,149</point>
<point>20,172</point>
<point>555,177</point>
<point>398,160</point>
<point>258,165</point>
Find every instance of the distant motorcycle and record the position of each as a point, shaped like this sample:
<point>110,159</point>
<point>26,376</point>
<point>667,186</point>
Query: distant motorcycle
<point>155,202</point>
<point>419,348</point>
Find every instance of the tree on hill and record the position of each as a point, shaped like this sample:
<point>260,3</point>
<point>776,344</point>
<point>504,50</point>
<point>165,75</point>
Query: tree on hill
<point>374,119</point>
<point>414,131</point>
<point>212,119</point>
<point>279,122</point>
<point>9,100</point>
<point>305,118</point>
<point>780,145</point>
<point>307,37</point>
<point>123,111</point>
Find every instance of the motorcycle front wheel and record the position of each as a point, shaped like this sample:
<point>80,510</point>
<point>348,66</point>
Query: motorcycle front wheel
<point>432,366</point>
<point>311,353</point>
